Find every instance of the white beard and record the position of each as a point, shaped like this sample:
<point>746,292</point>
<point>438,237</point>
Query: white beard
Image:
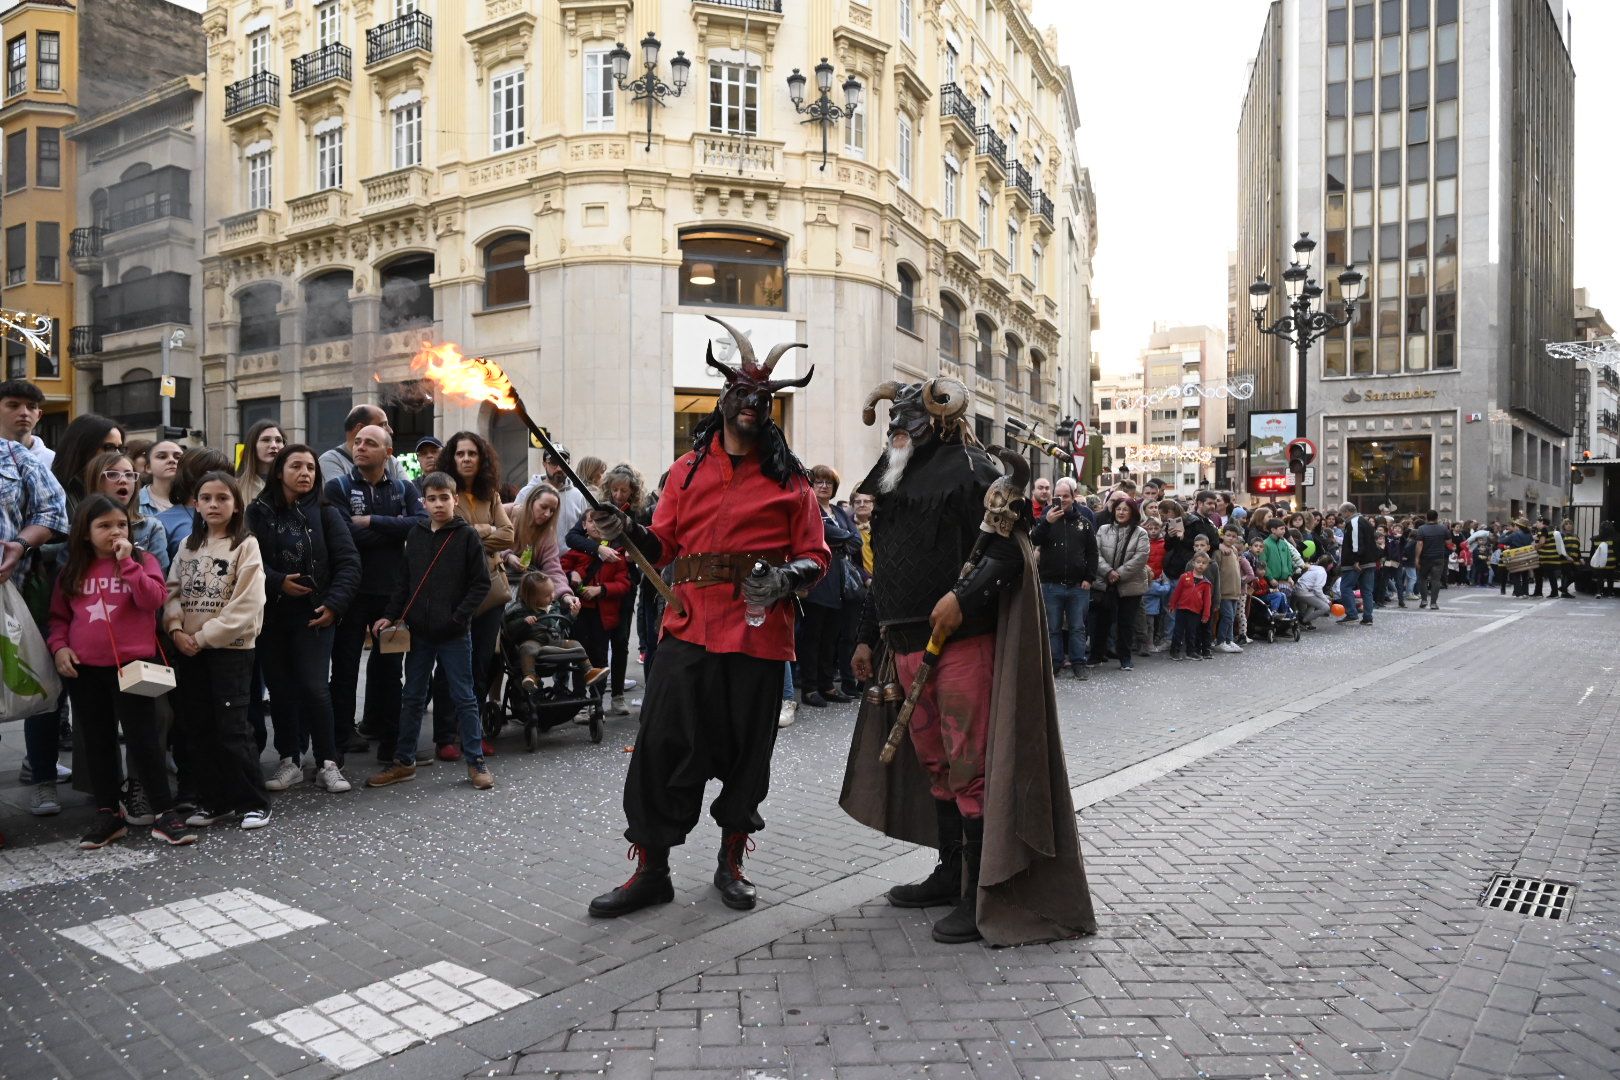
<point>895,459</point>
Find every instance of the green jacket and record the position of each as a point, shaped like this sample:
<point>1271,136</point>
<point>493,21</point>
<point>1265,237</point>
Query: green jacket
<point>1282,559</point>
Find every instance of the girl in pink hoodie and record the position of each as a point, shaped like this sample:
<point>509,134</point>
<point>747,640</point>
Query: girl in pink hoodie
<point>104,615</point>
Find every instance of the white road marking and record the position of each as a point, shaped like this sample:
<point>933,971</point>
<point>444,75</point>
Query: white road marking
<point>350,1030</point>
<point>188,929</point>
<point>53,864</point>
<point>1586,695</point>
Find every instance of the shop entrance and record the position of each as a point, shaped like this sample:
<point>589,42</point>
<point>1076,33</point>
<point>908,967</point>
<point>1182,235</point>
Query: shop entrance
<point>1390,475</point>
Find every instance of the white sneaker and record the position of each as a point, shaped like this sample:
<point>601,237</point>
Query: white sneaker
<point>617,707</point>
<point>330,777</point>
<point>789,713</point>
<point>45,802</point>
<point>288,773</point>
<point>255,819</point>
<point>1227,647</point>
<point>1162,646</point>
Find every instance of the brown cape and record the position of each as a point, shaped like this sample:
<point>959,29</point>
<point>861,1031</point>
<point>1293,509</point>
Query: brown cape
<point>1032,882</point>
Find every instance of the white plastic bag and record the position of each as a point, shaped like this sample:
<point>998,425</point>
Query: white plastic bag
<point>28,681</point>
<point>1600,557</point>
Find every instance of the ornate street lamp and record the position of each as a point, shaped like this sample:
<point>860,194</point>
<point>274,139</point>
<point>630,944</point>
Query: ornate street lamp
<point>650,87</point>
<point>1303,325</point>
<point>822,110</point>
<point>1385,462</point>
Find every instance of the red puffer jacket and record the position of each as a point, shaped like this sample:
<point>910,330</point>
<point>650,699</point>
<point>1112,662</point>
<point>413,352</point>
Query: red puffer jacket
<point>613,577</point>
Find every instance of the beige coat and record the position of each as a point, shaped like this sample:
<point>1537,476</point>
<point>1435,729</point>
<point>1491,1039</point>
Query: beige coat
<point>495,529</point>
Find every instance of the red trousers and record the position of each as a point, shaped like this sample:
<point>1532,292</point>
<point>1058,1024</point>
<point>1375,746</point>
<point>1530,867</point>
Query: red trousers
<point>951,724</point>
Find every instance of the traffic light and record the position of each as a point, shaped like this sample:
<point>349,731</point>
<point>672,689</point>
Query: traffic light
<point>1065,430</point>
<point>1299,455</point>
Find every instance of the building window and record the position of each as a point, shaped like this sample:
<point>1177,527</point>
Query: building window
<point>324,414</point>
<point>506,111</point>
<point>1012,246</point>
<point>951,58</point>
<point>1012,140</point>
<point>905,20</point>
<point>951,175</point>
<point>506,280</point>
<point>405,7</point>
<point>17,160</point>
<point>258,180</point>
<point>734,99</point>
<point>407,297</point>
<point>17,66</point>
<point>905,316</point>
<point>984,355</point>
<point>329,159</point>
<point>735,269</point>
<point>48,150</point>
<point>49,76</point>
<point>984,217</point>
<point>16,254</point>
<point>328,24</point>
<point>47,251</point>
<point>327,316</point>
<point>1037,265</point>
<point>260,327</point>
<point>599,87</point>
<point>407,125</point>
<point>904,151</point>
<point>950,330</point>
<point>258,51</point>
<point>855,134</point>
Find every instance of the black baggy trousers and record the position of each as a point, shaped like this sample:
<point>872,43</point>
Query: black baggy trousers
<point>706,716</point>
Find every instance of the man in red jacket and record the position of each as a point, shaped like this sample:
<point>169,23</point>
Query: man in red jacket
<point>740,524</point>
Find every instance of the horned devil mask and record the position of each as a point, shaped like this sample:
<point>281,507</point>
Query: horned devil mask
<point>749,385</point>
<point>921,410</point>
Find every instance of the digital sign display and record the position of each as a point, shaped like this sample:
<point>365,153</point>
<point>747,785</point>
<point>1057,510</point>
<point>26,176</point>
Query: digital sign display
<point>1271,485</point>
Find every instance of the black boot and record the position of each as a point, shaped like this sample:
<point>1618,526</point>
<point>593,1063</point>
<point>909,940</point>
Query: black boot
<point>736,891</point>
<point>649,885</point>
<point>944,885</point>
<point>961,925</point>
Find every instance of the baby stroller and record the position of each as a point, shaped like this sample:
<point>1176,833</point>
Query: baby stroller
<point>558,699</point>
<point>1271,616</point>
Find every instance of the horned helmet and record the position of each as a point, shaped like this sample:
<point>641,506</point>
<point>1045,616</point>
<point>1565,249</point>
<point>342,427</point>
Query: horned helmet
<point>925,410</point>
<point>749,385</point>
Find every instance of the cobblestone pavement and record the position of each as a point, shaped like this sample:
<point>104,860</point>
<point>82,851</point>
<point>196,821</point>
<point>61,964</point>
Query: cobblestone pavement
<point>1287,850</point>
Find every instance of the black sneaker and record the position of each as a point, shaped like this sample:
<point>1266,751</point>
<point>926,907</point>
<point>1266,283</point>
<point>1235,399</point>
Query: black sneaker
<point>107,827</point>
<point>136,807</point>
<point>172,829</point>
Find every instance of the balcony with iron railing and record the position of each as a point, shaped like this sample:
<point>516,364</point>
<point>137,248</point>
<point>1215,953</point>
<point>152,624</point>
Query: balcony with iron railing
<point>412,31</point>
<point>1022,181</point>
<point>161,193</point>
<point>1608,422</point>
<point>954,104</point>
<point>84,341</point>
<point>764,7</point>
<point>261,90</point>
<point>330,63</point>
<point>84,244</point>
<point>145,302</point>
<point>1043,203</point>
<point>992,147</point>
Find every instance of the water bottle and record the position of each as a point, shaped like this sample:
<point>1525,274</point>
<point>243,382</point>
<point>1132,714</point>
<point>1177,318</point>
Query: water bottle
<point>754,613</point>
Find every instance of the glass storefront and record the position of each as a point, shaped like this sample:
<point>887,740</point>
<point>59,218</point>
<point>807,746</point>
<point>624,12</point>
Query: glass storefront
<point>1390,475</point>
<point>692,406</point>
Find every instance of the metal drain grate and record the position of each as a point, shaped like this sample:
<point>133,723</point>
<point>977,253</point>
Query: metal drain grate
<point>1530,896</point>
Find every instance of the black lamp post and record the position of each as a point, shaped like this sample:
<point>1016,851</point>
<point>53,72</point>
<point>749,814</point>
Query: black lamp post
<point>822,110</point>
<point>650,87</point>
<point>1303,325</point>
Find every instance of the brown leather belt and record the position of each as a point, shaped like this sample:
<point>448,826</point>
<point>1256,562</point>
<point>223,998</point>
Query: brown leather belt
<point>722,568</point>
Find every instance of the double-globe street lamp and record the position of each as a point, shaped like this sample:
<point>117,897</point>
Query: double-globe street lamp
<point>650,87</point>
<point>822,110</point>
<point>1303,325</point>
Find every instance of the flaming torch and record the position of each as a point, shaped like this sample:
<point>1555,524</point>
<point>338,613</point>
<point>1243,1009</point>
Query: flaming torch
<point>475,379</point>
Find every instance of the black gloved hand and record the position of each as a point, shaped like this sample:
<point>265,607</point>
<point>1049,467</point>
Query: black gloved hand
<point>610,523</point>
<point>779,582</point>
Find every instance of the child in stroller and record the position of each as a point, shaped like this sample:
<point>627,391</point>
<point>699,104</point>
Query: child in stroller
<point>1270,613</point>
<point>536,640</point>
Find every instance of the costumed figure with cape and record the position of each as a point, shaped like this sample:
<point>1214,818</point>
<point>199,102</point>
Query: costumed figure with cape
<point>955,616</point>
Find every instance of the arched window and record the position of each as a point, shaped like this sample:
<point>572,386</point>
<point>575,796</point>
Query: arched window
<point>984,358</point>
<point>140,168</point>
<point>1037,372</point>
<point>407,298</point>
<point>1015,360</point>
<point>905,314</point>
<point>326,307</point>
<point>260,327</point>
<point>733,269</point>
<point>506,282</point>
<point>950,329</point>
<point>136,273</point>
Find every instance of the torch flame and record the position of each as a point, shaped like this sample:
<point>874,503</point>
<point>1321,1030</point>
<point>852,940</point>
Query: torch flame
<point>471,378</point>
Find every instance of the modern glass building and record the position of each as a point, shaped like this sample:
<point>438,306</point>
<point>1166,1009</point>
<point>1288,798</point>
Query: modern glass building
<point>1430,143</point>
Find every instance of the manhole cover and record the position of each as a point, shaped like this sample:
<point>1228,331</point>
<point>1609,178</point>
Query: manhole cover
<point>1530,896</point>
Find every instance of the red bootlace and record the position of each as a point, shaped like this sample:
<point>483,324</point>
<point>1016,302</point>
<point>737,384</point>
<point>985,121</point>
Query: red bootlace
<point>736,845</point>
<point>638,853</point>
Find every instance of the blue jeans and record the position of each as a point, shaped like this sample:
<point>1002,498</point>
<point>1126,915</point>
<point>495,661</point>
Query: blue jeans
<point>787,680</point>
<point>454,658</point>
<point>1228,621</point>
<point>1352,579</point>
<point>1074,602</point>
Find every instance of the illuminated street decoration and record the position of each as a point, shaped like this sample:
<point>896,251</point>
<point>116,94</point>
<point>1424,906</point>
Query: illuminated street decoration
<point>1242,390</point>
<point>36,337</point>
<point>1605,351</point>
<point>1203,455</point>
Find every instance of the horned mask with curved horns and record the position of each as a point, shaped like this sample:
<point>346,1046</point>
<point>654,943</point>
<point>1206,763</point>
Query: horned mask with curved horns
<point>752,371</point>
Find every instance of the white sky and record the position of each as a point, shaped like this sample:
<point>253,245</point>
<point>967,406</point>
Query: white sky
<point>1160,85</point>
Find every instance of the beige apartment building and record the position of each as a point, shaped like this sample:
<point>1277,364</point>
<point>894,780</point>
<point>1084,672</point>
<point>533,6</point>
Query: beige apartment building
<point>384,173</point>
<point>1190,429</point>
<point>1119,423</point>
